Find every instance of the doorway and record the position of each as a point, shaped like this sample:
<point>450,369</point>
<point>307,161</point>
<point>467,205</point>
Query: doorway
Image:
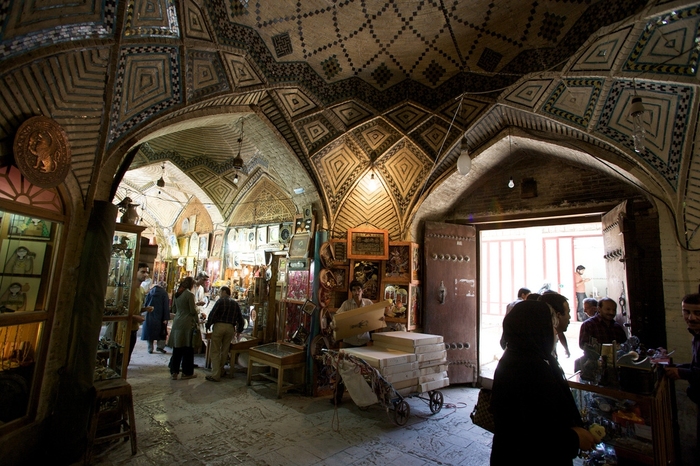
<point>537,258</point>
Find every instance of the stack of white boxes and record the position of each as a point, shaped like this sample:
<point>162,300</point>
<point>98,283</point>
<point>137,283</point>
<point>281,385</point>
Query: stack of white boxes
<point>427,372</point>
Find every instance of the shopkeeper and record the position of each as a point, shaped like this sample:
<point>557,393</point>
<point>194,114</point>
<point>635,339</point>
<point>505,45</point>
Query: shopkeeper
<point>354,341</point>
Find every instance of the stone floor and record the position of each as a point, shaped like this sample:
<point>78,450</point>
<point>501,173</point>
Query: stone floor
<point>199,422</point>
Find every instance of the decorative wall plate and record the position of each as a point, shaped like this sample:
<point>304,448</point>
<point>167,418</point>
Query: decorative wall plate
<point>42,152</point>
<point>285,233</point>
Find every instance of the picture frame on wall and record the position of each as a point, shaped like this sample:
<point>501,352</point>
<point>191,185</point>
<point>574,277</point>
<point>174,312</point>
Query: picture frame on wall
<point>341,278</point>
<point>285,233</point>
<point>368,273</point>
<point>217,243</point>
<point>194,245</point>
<point>203,246</point>
<point>28,227</point>
<point>261,233</point>
<point>368,243</point>
<point>19,293</point>
<point>22,257</point>
<point>309,307</point>
<point>299,245</point>
<point>273,234</point>
<point>398,268</point>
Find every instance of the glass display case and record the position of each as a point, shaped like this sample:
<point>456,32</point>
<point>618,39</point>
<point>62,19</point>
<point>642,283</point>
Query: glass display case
<point>638,427</point>
<point>120,297</point>
<point>406,304</point>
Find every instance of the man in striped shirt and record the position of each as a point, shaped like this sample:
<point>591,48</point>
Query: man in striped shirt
<point>227,320</point>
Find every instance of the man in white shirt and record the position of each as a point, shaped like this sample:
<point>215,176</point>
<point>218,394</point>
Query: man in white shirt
<point>199,297</point>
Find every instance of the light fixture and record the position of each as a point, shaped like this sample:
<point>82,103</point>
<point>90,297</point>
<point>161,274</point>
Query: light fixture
<point>637,114</point>
<point>373,183</point>
<point>464,162</point>
<point>161,181</point>
<point>511,183</point>
<point>235,178</point>
<point>238,161</point>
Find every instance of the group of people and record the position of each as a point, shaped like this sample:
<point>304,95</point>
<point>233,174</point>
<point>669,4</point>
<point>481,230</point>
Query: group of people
<point>153,309</point>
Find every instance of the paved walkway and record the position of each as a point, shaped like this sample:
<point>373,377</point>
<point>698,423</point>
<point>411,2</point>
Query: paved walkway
<point>228,423</point>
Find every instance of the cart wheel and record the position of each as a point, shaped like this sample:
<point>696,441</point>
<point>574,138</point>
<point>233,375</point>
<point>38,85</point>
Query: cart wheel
<point>401,412</point>
<point>436,400</point>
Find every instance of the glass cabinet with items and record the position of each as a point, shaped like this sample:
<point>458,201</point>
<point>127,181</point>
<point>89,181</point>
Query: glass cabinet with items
<point>28,245</point>
<point>120,297</point>
<point>638,427</point>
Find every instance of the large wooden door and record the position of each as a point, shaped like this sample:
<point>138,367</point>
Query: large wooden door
<point>449,296</point>
<point>633,268</point>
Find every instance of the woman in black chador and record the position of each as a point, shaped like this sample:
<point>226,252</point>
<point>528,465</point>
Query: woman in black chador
<point>534,410</point>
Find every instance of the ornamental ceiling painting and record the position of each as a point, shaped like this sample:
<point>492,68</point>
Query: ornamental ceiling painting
<point>360,108</point>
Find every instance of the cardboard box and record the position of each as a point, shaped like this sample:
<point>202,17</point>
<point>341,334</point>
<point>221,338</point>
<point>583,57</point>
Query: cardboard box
<point>434,369</point>
<point>399,376</point>
<point>428,386</point>
<point>380,358</point>
<point>409,366</point>
<point>439,356</point>
<point>407,339</point>
<point>432,377</point>
<point>360,320</point>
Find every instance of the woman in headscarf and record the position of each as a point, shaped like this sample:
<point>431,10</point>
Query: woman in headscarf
<point>185,321</point>
<point>533,408</point>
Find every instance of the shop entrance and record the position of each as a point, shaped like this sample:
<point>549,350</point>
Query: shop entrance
<point>537,258</point>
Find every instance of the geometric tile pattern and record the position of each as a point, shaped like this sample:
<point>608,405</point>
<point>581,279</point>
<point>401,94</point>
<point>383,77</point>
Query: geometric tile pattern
<point>148,82</point>
<point>264,203</point>
<point>529,92</point>
<point>193,19</point>
<point>467,111</point>
<point>601,55</point>
<point>666,118</point>
<point>350,113</point>
<point>316,131</point>
<point>367,207</point>
<point>407,116</point>
<point>574,100</point>
<point>25,26</point>
<point>338,167</point>
<point>376,137</point>
<point>405,168</point>
<point>151,18</point>
<point>242,71</point>
<point>668,44</point>
<point>205,74</point>
<point>71,86</point>
<point>434,137</point>
<point>295,101</point>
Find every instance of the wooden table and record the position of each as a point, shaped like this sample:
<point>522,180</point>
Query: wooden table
<point>280,356</point>
<point>239,347</point>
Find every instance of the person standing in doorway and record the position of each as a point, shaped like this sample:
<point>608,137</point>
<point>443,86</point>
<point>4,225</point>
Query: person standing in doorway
<point>580,287</point>
<point>156,326</point>
<point>227,321</point>
<point>136,317</point>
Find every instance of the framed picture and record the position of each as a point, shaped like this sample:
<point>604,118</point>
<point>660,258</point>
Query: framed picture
<point>19,293</point>
<point>285,233</point>
<point>273,234</point>
<point>216,243</point>
<point>398,267</point>
<point>341,278</point>
<point>367,273</point>
<point>194,245</point>
<point>174,246</point>
<point>309,307</point>
<point>250,238</point>
<point>203,246</point>
<point>299,245</point>
<point>261,236</point>
<point>184,244</point>
<point>340,251</point>
<point>368,243</point>
<point>34,228</point>
<point>22,257</point>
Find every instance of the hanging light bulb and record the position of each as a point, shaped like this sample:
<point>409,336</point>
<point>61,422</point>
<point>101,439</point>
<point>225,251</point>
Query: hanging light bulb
<point>637,114</point>
<point>464,162</point>
<point>161,181</point>
<point>373,182</point>
<point>511,183</point>
<point>238,160</point>
<point>235,178</point>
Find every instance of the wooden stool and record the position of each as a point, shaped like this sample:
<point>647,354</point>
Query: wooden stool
<point>111,419</point>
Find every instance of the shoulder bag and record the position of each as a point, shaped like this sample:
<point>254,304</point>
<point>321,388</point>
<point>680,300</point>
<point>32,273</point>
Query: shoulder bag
<point>481,415</point>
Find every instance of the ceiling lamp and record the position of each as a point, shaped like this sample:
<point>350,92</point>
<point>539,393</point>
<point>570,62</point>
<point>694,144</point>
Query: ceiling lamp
<point>235,178</point>
<point>637,114</point>
<point>238,161</point>
<point>161,181</point>
<point>464,162</point>
<point>511,183</point>
<point>373,183</point>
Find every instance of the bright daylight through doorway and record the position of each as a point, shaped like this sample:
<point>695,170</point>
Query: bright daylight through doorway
<point>536,258</point>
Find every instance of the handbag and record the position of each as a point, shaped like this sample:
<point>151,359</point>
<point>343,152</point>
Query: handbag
<point>481,415</point>
<point>196,338</point>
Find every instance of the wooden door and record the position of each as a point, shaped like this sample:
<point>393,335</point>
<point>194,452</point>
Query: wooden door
<point>449,295</point>
<point>633,268</point>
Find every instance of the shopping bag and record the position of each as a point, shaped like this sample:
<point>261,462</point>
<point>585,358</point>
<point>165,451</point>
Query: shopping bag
<point>481,415</point>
